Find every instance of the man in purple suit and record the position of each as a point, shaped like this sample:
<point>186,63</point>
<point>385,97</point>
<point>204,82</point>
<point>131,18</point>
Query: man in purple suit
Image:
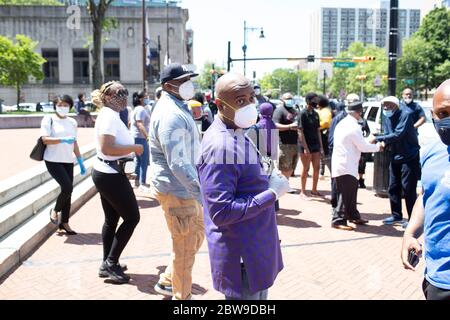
<point>239,198</point>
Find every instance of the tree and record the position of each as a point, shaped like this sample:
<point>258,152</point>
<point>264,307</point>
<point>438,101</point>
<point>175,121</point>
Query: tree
<point>18,62</point>
<point>208,75</point>
<point>286,80</point>
<point>345,79</point>
<point>97,13</point>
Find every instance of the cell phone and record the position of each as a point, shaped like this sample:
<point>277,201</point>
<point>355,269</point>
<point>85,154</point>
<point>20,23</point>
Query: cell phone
<point>413,258</point>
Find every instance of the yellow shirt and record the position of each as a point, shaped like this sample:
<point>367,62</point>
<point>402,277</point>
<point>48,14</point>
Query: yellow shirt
<point>325,118</point>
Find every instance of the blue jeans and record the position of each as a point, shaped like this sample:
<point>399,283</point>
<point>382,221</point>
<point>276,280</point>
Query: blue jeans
<point>142,161</point>
<point>246,295</point>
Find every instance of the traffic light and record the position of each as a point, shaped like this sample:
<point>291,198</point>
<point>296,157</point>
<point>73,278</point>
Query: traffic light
<point>370,58</point>
<point>361,77</point>
<point>310,58</point>
<point>363,59</point>
<point>327,59</point>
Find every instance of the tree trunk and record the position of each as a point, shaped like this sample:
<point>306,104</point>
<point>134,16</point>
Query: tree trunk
<point>18,95</point>
<point>97,75</point>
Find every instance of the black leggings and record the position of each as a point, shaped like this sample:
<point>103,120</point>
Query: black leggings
<point>118,201</point>
<point>63,174</point>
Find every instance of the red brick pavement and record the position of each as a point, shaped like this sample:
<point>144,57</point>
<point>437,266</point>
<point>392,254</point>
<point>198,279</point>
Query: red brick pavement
<point>320,262</point>
<point>18,143</point>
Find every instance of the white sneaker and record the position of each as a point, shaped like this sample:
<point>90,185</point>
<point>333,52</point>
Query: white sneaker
<point>143,188</point>
<point>292,190</point>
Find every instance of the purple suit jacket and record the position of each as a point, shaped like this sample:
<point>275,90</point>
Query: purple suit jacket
<point>239,210</point>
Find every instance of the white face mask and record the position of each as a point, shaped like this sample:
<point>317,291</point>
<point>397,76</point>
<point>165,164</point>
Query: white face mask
<point>246,117</point>
<point>257,92</point>
<point>186,90</point>
<point>62,111</point>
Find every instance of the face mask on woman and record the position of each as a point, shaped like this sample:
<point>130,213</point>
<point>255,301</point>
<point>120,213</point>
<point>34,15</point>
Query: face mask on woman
<point>388,113</point>
<point>62,111</point>
<point>118,102</point>
<point>289,103</point>
<point>244,117</point>
<point>443,129</point>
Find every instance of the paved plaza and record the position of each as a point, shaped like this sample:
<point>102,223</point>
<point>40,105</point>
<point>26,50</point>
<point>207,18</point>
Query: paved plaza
<point>320,262</point>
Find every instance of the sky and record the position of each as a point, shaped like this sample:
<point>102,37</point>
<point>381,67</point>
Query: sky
<point>286,25</point>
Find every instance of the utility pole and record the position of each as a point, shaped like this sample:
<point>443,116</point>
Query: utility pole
<point>426,82</point>
<point>144,49</point>
<point>167,30</point>
<point>393,35</point>
<point>324,81</point>
<point>229,56</point>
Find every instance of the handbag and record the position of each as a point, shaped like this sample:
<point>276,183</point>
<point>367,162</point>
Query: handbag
<point>38,150</point>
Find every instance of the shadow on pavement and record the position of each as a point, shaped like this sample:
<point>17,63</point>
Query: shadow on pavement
<point>295,223</point>
<point>146,204</point>
<point>82,239</point>
<point>376,216</point>
<point>286,212</point>
<point>383,230</point>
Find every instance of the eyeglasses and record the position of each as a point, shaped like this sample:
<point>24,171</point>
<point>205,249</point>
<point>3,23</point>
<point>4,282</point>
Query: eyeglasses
<point>122,93</point>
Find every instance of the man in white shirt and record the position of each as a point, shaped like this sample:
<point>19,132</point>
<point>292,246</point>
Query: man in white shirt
<point>348,145</point>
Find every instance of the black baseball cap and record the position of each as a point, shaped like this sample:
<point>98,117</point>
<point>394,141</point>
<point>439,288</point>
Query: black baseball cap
<point>176,71</point>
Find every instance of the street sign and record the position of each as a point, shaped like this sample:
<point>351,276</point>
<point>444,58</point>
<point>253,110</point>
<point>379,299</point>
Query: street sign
<point>408,81</point>
<point>344,64</point>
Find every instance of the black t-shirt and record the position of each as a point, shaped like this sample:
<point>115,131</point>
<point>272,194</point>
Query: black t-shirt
<point>310,123</point>
<point>285,116</point>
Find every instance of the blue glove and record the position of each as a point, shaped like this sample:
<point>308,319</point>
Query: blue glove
<point>82,167</point>
<point>69,140</point>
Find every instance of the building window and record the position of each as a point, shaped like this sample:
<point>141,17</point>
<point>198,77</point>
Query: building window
<point>111,61</point>
<point>50,67</point>
<point>81,66</point>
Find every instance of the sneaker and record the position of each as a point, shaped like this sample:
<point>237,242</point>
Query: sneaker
<point>405,225</point>
<point>102,271</point>
<point>115,273</point>
<point>392,221</point>
<point>163,289</point>
<point>291,190</point>
<point>144,188</point>
<point>136,182</point>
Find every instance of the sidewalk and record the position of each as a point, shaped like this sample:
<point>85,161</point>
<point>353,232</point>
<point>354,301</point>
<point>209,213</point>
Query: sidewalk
<point>16,156</point>
<point>320,262</point>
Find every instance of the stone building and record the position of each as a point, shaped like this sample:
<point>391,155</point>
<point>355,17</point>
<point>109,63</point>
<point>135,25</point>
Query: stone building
<point>64,35</point>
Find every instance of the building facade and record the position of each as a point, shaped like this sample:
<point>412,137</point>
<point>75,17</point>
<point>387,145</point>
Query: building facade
<point>334,29</point>
<point>64,36</point>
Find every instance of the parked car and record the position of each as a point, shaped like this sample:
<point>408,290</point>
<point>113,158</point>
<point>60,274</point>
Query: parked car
<point>25,106</point>
<point>427,133</point>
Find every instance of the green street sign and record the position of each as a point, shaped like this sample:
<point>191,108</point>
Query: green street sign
<point>344,64</point>
<point>408,81</point>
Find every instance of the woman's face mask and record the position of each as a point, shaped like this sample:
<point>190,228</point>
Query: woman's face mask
<point>118,101</point>
<point>289,103</point>
<point>63,111</point>
<point>244,117</point>
<point>442,127</point>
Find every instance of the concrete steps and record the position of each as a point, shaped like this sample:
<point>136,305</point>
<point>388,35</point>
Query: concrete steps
<point>24,219</point>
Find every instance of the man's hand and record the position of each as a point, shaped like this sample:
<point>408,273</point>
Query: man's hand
<point>138,149</point>
<point>409,243</point>
<point>293,126</point>
<point>382,146</point>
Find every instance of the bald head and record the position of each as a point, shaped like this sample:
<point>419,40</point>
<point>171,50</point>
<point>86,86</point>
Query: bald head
<point>231,83</point>
<point>441,101</point>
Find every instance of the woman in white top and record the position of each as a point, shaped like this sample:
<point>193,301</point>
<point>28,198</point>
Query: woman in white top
<point>114,142</point>
<point>59,134</point>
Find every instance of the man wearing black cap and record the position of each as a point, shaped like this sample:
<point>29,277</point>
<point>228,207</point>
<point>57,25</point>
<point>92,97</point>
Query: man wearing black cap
<point>174,146</point>
<point>348,145</point>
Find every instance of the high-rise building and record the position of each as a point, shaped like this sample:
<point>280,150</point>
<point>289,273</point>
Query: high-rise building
<point>334,29</point>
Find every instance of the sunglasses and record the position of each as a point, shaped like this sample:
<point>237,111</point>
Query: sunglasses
<point>122,93</point>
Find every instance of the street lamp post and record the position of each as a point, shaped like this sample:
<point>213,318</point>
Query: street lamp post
<point>244,47</point>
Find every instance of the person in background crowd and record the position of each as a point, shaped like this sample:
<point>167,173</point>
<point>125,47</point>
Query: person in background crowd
<point>340,115</point>
<point>325,117</point>
<point>140,128</point>
<point>113,142</point>
<point>259,97</point>
<point>362,161</point>
<point>239,198</point>
<point>404,169</point>
<point>311,143</point>
<point>211,104</point>
<point>174,146</point>
<point>206,112</point>
<point>59,133</point>
<point>431,214</point>
<point>201,119</point>
<point>415,108</point>
<point>284,118</point>
<point>348,145</point>
<point>80,108</point>
<point>158,93</point>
